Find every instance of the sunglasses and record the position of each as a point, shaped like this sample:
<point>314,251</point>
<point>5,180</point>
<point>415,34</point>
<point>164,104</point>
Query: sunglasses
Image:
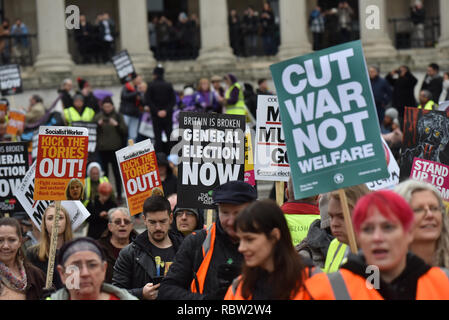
<point>118,222</point>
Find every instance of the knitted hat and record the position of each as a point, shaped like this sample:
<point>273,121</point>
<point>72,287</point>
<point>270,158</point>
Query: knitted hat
<point>392,113</point>
<point>325,219</point>
<point>82,83</point>
<point>93,165</point>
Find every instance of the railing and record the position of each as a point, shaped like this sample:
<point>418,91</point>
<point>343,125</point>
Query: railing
<point>19,49</point>
<point>407,35</point>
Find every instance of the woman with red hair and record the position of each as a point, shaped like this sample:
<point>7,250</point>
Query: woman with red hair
<point>384,269</point>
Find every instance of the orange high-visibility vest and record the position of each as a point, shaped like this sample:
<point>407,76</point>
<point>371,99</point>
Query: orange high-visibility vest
<point>197,285</point>
<point>235,289</point>
<point>345,285</point>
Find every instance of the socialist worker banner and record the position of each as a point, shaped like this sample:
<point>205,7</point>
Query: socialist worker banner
<point>329,120</point>
<point>139,172</point>
<point>61,163</point>
<point>16,122</point>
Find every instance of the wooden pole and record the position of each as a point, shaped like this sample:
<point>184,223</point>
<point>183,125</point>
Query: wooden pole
<point>348,221</point>
<point>280,192</point>
<point>53,245</point>
<point>209,216</point>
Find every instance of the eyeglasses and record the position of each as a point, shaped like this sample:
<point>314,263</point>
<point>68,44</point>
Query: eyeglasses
<point>433,209</point>
<point>118,222</point>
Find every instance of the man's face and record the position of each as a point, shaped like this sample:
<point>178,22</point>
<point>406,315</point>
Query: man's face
<point>158,224</point>
<point>120,225</point>
<point>431,71</point>
<point>94,174</point>
<point>68,85</point>
<point>92,272</point>
<point>422,98</point>
<point>78,103</point>
<point>338,226</point>
<point>372,73</point>
<point>186,221</point>
<point>227,214</point>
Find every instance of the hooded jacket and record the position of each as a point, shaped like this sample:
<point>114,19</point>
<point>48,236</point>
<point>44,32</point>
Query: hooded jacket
<point>199,223</point>
<point>135,266</point>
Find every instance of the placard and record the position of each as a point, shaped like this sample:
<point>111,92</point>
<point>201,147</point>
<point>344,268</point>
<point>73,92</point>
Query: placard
<point>10,79</point>
<point>124,66</point>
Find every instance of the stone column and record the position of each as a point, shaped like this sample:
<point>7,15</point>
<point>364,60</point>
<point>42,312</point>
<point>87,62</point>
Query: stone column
<point>293,18</point>
<point>53,54</point>
<point>444,27</point>
<point>215,49</point>
<point>134,35</point>
<point>374,29</point>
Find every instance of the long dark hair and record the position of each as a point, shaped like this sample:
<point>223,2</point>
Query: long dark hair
<point>286,280</point>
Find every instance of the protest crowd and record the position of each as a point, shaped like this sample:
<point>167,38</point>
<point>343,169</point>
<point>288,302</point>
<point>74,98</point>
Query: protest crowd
<point>208,235</point>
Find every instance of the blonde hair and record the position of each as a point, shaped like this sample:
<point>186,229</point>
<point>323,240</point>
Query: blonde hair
<point>67,190</point>
<point>201,81</point>
<point>44,243</point>
<point>353,194</point>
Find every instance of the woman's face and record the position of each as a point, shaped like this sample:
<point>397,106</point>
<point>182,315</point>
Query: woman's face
<point>50,218</point>
<point>204,85</point>
<point>92,272</point>
<point>257,249</point>
<point>75,190</point>
<point>428,216</point>
<point>384,243</point>
<point>9,244</point>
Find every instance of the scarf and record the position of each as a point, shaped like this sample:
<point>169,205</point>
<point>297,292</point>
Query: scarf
<point>10,280</point>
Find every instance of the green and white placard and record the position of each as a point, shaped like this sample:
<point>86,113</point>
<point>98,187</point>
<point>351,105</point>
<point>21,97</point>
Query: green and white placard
<point>329,120</point>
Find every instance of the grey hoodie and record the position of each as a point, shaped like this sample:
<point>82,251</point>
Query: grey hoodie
<point>122,294</point>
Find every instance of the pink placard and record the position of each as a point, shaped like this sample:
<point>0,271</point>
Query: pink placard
<point>432,172</point>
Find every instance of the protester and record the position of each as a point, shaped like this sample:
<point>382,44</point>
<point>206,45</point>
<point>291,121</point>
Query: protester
<point>319,237</point>
<point>74,190</point>
<point>250,29</point>
<point>317,27</point>
<point>98,208</point>
<point>426,100</point>
<point>119,234</point>
<point>38,254</point>
<point>387,124</point>
<point>445,92</point>
<point>339,247</point>
<point>272,269</point>
<point>21,44</point>
<point>268,26</point>
<point>161,99</point>
<point>187,220</point>
<point>250,98</point>
<point>394,138</point>
<point>79,111</point>
<point>93,179</point>
<point>234,99</point>
<point>204,97</point>
<point>381,91</point>
<point>383,223</point>
<point>431,231</point>
<point>299,214</point>
<point>219,91</point>
<point>19,280</point>
<point>262,87</point>
<point>5,46</point>
<point>129,105</point>
<point>31,237</point>
<point>111,135</point>
<point>403,83</point>
<point>107,34</point>
<point>84,37</point>
<point>345,14</point>
<point>142,263</point>
<point>235,33</point>
<point>198,273</point>
<point>168,179</point>
<point>433,81</point>
<point>418,17</point>
<point>36,109</point>
<point>66,97</point>
<point>89,98</point>
<point>84,255</point>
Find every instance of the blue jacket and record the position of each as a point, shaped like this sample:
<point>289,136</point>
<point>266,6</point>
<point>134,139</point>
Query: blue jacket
<point>382,92</point>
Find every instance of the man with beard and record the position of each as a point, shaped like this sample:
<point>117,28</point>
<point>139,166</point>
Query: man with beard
<point>143,263</point>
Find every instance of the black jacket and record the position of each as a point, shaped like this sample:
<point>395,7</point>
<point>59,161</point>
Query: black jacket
<point>160,95</point>
<point>129,100</point>
<point>199,224</point>
<point>176,284</point>
<point>97,224</point>
<point>403,91</point>
<point>434,85</point>
<point>135,266</point>
<point>403,287</point>
<point>67,99</point>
